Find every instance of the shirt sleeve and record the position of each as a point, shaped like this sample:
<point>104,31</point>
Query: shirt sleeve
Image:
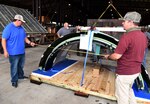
<point>6,33</point>
<point>59,31</point>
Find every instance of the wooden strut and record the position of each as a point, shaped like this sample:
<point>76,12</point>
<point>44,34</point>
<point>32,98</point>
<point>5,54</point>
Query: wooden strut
<point>78,93</point>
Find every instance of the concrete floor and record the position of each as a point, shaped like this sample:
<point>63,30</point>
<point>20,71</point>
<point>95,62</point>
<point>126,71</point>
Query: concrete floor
<point>29,93</point>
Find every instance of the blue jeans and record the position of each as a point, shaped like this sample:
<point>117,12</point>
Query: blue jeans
<point>16,67</point>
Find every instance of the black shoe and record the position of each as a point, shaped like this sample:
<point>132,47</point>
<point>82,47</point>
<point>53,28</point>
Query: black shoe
<point>15,84</point>
<point>24,77</point>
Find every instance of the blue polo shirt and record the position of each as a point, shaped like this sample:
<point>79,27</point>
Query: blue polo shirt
<point>15,39</point>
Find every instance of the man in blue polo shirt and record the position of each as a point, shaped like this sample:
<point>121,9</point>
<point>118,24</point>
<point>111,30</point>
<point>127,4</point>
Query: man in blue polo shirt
<point>13,43</point>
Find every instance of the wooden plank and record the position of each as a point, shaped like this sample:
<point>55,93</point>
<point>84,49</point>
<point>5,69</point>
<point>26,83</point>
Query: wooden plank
<point>111,81</point>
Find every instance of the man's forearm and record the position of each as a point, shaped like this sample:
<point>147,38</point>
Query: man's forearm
<point>113,56</point>
<point>4,45</point>
<point>27,41</point>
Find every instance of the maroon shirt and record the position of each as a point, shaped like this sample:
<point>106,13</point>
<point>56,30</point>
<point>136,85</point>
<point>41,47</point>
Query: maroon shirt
<point>132,47</point>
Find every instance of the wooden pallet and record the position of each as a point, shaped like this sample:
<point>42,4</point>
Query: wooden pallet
<point>97,81</point>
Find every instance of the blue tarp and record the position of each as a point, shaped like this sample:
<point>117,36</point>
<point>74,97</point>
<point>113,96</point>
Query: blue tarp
<point>56,68</point>
<point>141,93</point>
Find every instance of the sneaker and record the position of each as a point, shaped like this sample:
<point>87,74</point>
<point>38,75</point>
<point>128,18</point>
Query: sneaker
<point>15,84</point>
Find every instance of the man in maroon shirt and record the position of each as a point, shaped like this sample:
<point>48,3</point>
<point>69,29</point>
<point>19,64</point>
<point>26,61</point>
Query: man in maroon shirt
<point>129,55</point>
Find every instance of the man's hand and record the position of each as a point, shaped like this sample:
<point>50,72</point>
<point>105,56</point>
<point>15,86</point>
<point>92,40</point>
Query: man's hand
<point>32,44</point>
<point>106,56</point>
<point>6,55</point>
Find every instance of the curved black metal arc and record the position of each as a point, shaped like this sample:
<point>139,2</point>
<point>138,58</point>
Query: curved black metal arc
<point>49,55</point>
<point>51,47</point>
<point>50,62</point>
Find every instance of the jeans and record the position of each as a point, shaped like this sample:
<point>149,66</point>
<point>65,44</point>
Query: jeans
<point>16,67</point>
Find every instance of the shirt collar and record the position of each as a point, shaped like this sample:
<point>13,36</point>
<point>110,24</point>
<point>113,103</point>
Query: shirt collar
<point>133,29</point>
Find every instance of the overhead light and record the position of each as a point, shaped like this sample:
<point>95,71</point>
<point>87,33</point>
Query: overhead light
<point>69,4</point>
<point>66,15</point>
<point>147,10</point>
<point>53,22</point>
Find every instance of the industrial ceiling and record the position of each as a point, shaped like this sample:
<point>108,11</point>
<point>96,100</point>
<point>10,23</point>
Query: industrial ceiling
<point>77,12</point>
